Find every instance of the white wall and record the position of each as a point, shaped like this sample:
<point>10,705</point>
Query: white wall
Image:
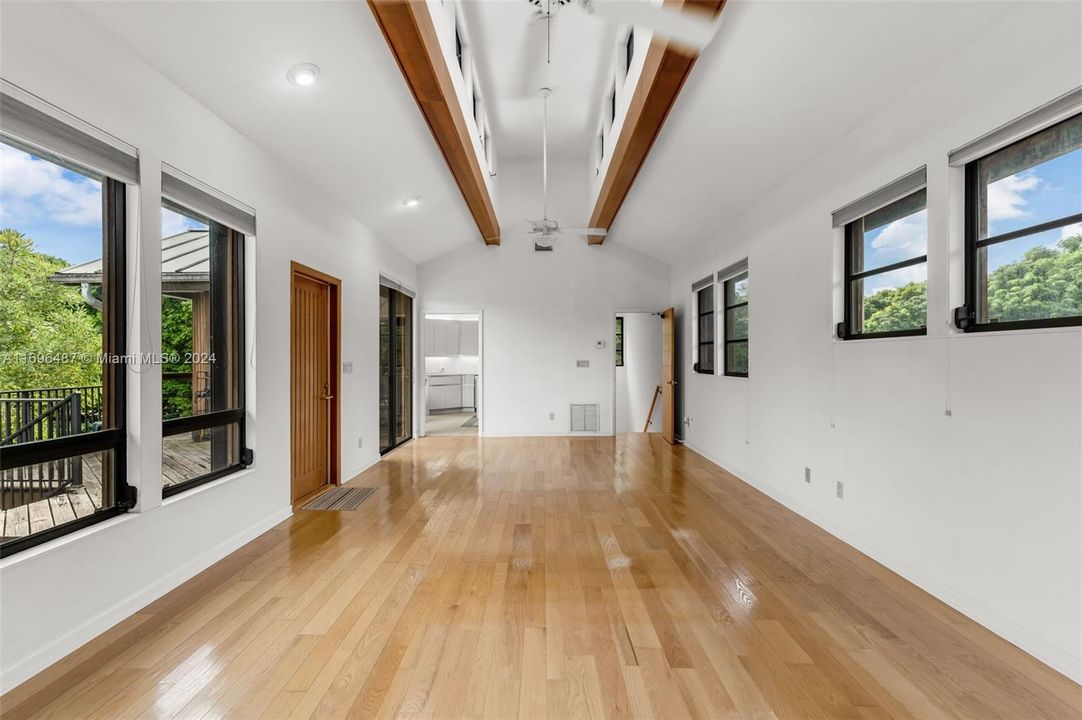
<point>57,596</point>
<point>981,507</point>
<point>640,374</point>
<point>543,311</point>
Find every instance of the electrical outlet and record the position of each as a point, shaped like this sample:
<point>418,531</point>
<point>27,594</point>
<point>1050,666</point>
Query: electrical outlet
<point>807,475</point>
<point>552,416</point>
<point>347,368</point>
<point>839,489</point>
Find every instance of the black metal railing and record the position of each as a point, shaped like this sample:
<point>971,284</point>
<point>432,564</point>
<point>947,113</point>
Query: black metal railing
<point>45,414</point>
<point>18,408</point>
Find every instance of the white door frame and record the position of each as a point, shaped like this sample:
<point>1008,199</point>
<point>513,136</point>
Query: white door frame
<point>612,358</point>
<point>479,389</point>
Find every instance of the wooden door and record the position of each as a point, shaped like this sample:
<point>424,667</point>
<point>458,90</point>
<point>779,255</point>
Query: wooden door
<point>313,382</point>
<point>668,376</point>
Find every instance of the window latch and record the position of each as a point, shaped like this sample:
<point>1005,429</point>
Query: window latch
<point>964,318</point>
<point>840,331</point>
<point>131,495</point>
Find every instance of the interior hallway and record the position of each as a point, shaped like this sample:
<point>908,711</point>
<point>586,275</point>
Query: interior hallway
<point>452,423</point>
<point>557,577</point>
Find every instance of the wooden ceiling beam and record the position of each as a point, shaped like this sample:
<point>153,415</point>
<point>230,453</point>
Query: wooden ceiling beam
<point>408,28</point>
<point>664,72</point>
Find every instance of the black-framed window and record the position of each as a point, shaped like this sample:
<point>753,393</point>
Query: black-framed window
<point>736,325</point>
<point>629,51</point>
<point>458,48</point>
<point>203,413</point>
<point>1023,233</point>
<point>62,345</point>
<point>618,343</point>
<point>612,107</point>
<point>886,271</point>
<point>704,347</point>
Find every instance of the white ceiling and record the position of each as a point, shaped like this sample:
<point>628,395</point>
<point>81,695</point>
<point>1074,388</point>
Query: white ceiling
<point>782,81</point>
<point>357,134</point>
<point>513,63</point>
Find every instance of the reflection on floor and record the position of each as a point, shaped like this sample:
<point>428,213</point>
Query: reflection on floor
<point>451,423</point>
<point>548,577</point>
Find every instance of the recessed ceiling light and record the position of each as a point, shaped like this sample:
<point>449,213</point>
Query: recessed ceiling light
<point>412,201</point>
<point>304,74</point>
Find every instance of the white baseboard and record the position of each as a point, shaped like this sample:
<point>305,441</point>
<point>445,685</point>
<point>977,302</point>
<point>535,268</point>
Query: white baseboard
<point>26,668</point>
<point>563,433</point>
<point>360,469</point>
<point>1059,659</point>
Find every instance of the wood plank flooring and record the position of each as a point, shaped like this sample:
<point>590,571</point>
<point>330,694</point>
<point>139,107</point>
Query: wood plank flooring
<point>548,577</point>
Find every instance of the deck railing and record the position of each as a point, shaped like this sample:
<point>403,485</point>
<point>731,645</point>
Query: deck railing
<point>19,409</point>
<point>45,414</point>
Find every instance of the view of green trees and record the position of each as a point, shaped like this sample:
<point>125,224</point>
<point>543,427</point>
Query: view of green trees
<point>176,342</point>
<point>1045,282</point>
<point>40,318</point>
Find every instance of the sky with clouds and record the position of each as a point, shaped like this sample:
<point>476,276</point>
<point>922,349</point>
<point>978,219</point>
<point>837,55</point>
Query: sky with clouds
<point>61,211</point>
<point>58,209</point>
<point>1045,192</point>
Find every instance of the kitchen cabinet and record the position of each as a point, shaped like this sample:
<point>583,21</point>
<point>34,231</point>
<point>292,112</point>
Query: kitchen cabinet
<point>443,338</point>
<point>469,389</point>
<point>451,392</point>
<point>468,338</point>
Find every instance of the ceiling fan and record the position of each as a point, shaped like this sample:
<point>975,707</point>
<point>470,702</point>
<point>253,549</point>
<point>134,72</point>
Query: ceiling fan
<point>545,230</point>
<point>693,30</point>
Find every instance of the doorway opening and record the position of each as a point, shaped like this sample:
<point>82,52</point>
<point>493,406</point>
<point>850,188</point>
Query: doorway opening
<point>315,352</point>
<point>644,379</point>
<point>395,368</point>
<point>452,361</point>
<point>637,401</point>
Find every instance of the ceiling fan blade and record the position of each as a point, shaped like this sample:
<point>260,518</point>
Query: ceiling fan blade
<point>596,232</point>
<point>691,29</point>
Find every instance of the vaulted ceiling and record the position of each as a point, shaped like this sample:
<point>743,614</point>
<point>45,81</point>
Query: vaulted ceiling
<point>781,82</point>
<point>516,55</point>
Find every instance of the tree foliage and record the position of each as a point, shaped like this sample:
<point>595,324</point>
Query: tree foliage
<point>176,343</point>
<point>902,308</point>
<point>1044,282</point>
<point>41,322</point>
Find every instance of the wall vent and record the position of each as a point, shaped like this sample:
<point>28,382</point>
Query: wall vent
<point>585,418</point>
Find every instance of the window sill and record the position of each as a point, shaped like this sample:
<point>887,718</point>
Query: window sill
<point>207,486</point>
<point>953,333</point>
<point>47,548</point>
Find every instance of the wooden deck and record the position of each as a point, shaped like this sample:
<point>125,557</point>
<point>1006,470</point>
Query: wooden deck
<point>182,460</point>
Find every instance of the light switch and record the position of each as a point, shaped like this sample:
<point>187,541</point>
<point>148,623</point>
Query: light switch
<point>347,368</point>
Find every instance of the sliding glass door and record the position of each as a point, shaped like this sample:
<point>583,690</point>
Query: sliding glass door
<point>395,368</point>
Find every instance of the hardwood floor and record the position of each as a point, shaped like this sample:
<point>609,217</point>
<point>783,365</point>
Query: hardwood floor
<point>548,577</point>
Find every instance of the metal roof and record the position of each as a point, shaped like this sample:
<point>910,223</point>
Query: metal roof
<point>185,259</point>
